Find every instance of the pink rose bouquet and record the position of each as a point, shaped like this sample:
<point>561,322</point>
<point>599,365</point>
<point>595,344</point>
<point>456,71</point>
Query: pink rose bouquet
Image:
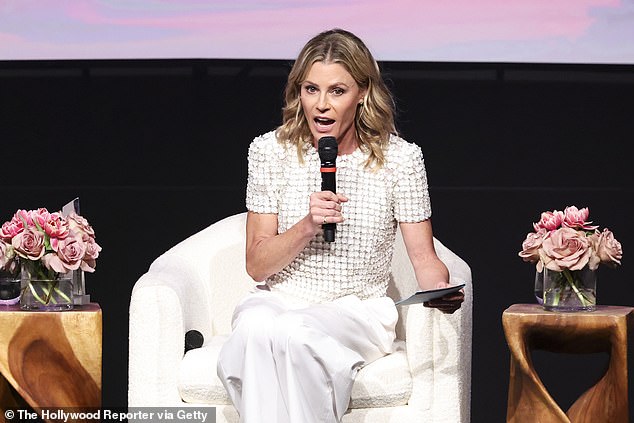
<point>567,242</point>
<point>47,244</point>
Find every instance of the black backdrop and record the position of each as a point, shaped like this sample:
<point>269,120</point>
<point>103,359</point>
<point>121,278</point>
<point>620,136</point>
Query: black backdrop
<point>156,150</point>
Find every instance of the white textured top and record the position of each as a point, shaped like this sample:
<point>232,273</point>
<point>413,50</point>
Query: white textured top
<point>358,262</point>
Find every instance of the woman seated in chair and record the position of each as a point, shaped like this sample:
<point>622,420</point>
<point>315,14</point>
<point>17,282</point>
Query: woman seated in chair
<point>322,312</point>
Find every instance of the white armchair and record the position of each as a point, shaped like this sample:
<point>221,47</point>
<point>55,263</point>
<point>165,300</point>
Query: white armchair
<point>196,285</point>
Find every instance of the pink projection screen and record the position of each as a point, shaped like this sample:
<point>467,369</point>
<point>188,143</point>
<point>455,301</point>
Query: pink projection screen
<point>533,31</point>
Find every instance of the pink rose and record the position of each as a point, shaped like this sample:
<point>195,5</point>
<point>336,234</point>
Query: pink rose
<point>56,226</point>
<point>38,217</point>
<point>531,245</point>
<point>92,253</point>
<point>565,248</point>
<point>11,229</point>
<point>6,256</point>
<point>78,224</point>
<point>70,252</point>
<point>23,216</point>
<point>29,244</point>
<point>575,218</point>
<point>609,249</point>
<point>549,221</point>
<point>595,260</point>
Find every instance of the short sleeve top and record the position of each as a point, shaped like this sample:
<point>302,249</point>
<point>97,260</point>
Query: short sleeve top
<point>358,262</point>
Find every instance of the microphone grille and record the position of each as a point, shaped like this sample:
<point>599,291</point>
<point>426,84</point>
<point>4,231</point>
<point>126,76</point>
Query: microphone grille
<point>193,339</point>
<point>327,148</point>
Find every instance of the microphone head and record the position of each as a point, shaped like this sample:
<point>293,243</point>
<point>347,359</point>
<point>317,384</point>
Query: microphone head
<point>193,339</point>
<point>327,148</point>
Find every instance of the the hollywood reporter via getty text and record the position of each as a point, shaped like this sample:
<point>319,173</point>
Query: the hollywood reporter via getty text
<point>136,414</point>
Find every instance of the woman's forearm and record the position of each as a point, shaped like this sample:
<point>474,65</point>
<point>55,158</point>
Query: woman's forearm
<point>430,271</point>
<point>269,253</point>
<point>431,274</point>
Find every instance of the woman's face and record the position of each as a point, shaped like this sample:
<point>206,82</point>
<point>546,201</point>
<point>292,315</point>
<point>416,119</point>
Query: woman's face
<point>329,97</point>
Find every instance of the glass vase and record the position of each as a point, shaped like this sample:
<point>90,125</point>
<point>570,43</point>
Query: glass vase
<point>43,289</point>
<point>570,290</point>
<point>539,287</point>
<point>47,294</point>
<point>9,290</point>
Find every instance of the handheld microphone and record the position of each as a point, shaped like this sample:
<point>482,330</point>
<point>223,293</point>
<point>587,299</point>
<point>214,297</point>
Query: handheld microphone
<point>327,149</point>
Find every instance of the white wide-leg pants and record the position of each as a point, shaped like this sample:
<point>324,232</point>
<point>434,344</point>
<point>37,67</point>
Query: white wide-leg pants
<point>287,361</point>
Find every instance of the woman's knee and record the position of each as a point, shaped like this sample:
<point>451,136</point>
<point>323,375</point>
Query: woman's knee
<point>291,335</point>
<point>256,317</point>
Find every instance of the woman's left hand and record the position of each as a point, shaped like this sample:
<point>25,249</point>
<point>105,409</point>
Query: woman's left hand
<point>448,303</point>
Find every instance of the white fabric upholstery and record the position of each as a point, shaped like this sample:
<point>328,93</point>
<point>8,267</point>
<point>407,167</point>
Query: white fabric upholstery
<point>196,285</point>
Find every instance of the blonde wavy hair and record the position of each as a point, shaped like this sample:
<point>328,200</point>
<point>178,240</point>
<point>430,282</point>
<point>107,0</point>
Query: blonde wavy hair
<point>374,119</point>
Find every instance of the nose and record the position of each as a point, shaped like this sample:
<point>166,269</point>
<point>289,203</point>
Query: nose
<point>322,102</point>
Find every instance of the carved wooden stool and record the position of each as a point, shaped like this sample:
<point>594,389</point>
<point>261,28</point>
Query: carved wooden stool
<point>50,359</point>
<point>529,326</point>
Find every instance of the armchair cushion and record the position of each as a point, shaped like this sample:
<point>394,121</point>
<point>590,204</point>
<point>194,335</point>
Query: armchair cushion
<point>386,382</point>
<point>383,383</point>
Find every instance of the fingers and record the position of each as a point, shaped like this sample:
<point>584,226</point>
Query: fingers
<point>326,206</point>
<point>342,198</point>
<point>447,304</point>
<point>447,308</point>
<point>328,196</point>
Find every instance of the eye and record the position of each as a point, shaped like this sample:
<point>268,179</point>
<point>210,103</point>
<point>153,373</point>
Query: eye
<point>310,89</point>
<point>338,91</point>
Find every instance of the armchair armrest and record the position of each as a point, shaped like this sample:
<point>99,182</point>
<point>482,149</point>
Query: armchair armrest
<point>174,296</point>
<point>441,345</point>
<point>166,302</point>
<point>438,345</point>
<point>156,343</point>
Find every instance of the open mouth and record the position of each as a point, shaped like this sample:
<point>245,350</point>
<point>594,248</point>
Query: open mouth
<point>323,123</point>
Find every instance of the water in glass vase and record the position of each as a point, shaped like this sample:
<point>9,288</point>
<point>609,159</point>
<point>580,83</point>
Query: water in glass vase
<point>43,289</point>
<point>50,294</point>
<point>570,290</point>
<point>539,287</point>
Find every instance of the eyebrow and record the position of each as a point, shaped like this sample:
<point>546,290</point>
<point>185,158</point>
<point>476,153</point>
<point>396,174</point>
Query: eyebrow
<point>330,86</point>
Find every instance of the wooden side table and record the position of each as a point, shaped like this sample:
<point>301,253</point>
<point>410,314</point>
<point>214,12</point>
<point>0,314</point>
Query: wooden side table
<point>529,326</point>
<point>50,359</point>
